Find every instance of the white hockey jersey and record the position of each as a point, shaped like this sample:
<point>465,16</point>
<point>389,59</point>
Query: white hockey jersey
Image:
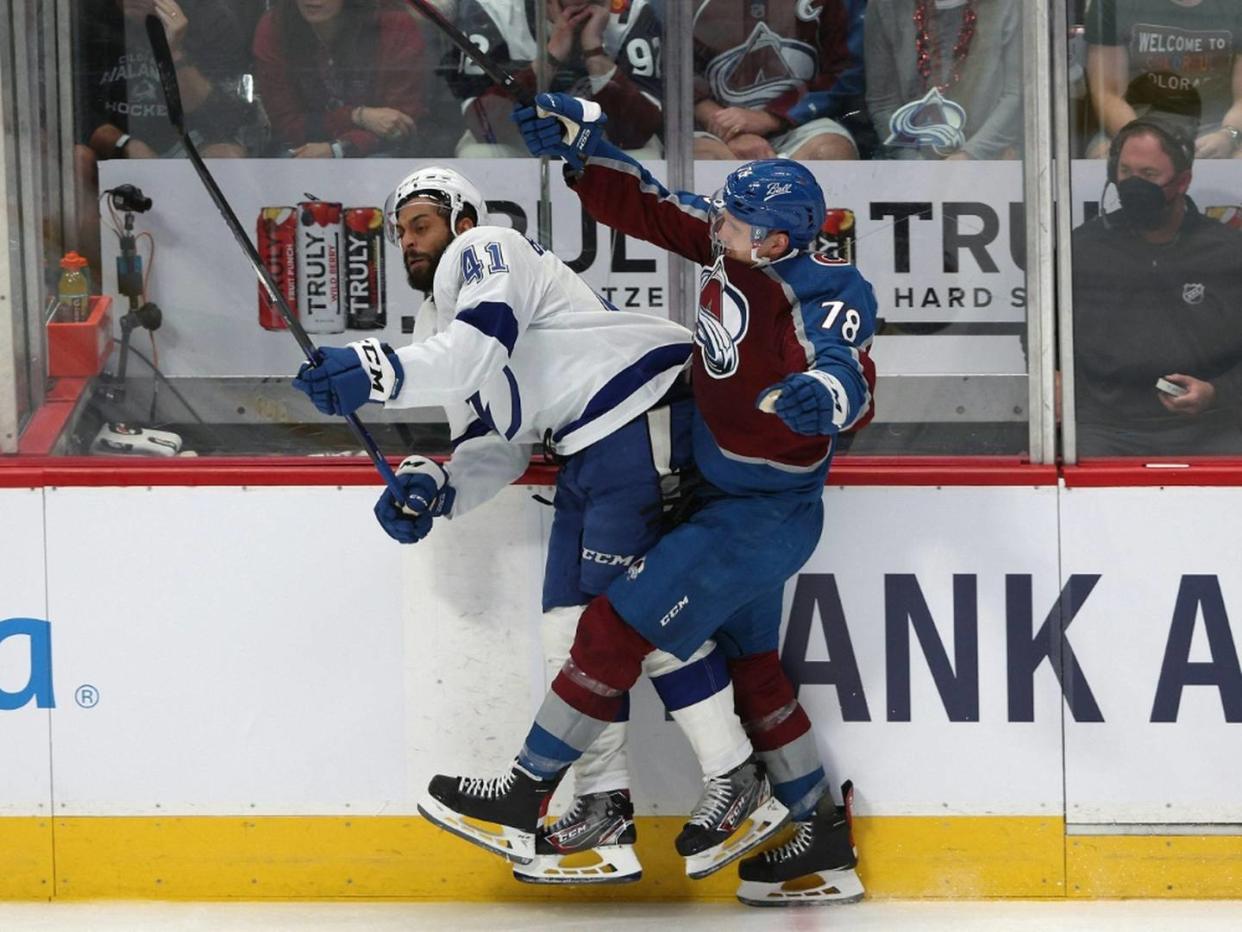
<point>523,349</point>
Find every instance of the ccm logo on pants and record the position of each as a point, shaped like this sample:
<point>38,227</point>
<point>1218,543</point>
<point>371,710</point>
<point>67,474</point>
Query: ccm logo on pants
<point>607,559</point>
<point>672,612</point>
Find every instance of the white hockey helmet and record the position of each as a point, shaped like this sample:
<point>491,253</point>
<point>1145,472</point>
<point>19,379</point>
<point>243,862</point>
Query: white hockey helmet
<point>444,186</point>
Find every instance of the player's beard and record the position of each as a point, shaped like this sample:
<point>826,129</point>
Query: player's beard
<point>423,276</point>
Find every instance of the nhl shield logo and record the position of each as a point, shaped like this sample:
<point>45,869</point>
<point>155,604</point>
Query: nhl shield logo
<point>1193,292</point>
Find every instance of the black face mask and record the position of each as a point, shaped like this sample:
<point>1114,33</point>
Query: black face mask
<point>1143,203</point>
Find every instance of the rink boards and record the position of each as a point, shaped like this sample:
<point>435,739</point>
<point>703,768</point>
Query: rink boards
<point>241,691</point>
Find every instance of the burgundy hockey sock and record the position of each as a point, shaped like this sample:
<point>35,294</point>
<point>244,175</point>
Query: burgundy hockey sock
<point>779,730</point>
<point>765,701</point>
<point>604,662</point>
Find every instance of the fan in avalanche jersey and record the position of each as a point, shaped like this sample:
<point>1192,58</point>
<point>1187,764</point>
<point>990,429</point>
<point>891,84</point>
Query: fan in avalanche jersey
<point>781,367</point>
<point>524,352</point>
<point>605,50</point>
<point>778,78</point>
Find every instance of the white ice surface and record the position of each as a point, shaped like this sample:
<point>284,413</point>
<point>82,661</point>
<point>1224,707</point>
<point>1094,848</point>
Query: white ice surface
<point>925,916</point>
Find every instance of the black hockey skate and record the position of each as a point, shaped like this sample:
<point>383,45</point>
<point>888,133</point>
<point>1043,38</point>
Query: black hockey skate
<point>499,814</point>
<point>815,867</point>
<point>736,812</point>
<point>592,843</point>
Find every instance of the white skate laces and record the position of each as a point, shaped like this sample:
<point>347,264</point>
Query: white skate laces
<point>814,867</point>
<point>497,813</point>
<point>736,812</point>
<point>801,841</point>
<point>716,796</point>
<point>570,815</point>
<point>486,787</point>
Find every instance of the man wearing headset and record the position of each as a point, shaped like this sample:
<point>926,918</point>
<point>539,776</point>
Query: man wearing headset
<point>1157,307</point>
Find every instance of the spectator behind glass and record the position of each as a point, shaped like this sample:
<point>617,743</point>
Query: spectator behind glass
<point>1138,50</point>
<point>1157,298</point>
<point>341,77</point>
<point>120,108</point>
<point>777,78</point>
<point>944,77</point>
<point>122,113</point>
<point>603,50</point>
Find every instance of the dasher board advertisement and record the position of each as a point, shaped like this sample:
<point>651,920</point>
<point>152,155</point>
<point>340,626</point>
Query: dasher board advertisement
<point>1017,656</point>
<point>943,248</point>
<point>29,691</point>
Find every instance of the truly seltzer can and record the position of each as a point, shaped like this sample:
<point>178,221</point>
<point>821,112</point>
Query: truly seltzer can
<point>364,269</point>
<point>837,235</point>
<point>320,234</point>
<point>278,234</point>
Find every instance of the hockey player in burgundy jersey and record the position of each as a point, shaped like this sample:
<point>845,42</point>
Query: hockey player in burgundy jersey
<point>781,368</point>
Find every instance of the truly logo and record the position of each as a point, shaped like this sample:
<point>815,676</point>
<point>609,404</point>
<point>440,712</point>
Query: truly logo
<point>37,668</point>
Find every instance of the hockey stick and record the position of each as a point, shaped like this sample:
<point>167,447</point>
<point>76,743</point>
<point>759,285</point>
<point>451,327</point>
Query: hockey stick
<point>505,80</point>
<point>172,94</point>
<point>519,93</point>
<point>474,53</point>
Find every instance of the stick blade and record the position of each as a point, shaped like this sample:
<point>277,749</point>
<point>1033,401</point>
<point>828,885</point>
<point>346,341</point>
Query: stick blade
<point>167,70</point>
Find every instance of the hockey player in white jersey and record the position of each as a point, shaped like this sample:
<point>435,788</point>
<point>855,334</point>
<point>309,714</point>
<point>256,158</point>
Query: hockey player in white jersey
<point>524,353</point>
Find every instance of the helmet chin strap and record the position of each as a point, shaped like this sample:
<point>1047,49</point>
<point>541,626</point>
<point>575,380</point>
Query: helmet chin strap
<point>757,236</point>
<point>758,261</point>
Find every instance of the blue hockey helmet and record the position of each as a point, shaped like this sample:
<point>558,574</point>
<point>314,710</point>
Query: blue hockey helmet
<point>775,195</point>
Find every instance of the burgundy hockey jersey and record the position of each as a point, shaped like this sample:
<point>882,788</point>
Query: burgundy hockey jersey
<point>756,325</point>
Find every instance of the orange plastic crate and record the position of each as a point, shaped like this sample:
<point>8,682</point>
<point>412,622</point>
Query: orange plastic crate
<point>79,350</point>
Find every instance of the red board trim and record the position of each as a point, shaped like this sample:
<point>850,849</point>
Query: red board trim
<point>1167,471</point>
<point>34,471</point>
<point>45,427</point>
<point>99,471</point>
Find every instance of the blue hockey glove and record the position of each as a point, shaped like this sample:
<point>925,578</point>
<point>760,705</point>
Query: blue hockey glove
<point>562,126</point>
<point>347,377</point>
<point>428,495</point>
<point>544,135</point>
<point>810,403</point>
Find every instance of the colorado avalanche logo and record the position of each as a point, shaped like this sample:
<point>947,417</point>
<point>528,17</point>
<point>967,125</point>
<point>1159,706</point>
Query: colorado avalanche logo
<point>932,120</point>
<point>723,317</point>
<point>763,68</point>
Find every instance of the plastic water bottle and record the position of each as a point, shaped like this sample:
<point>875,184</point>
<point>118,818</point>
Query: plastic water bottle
<point>74,290</point>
